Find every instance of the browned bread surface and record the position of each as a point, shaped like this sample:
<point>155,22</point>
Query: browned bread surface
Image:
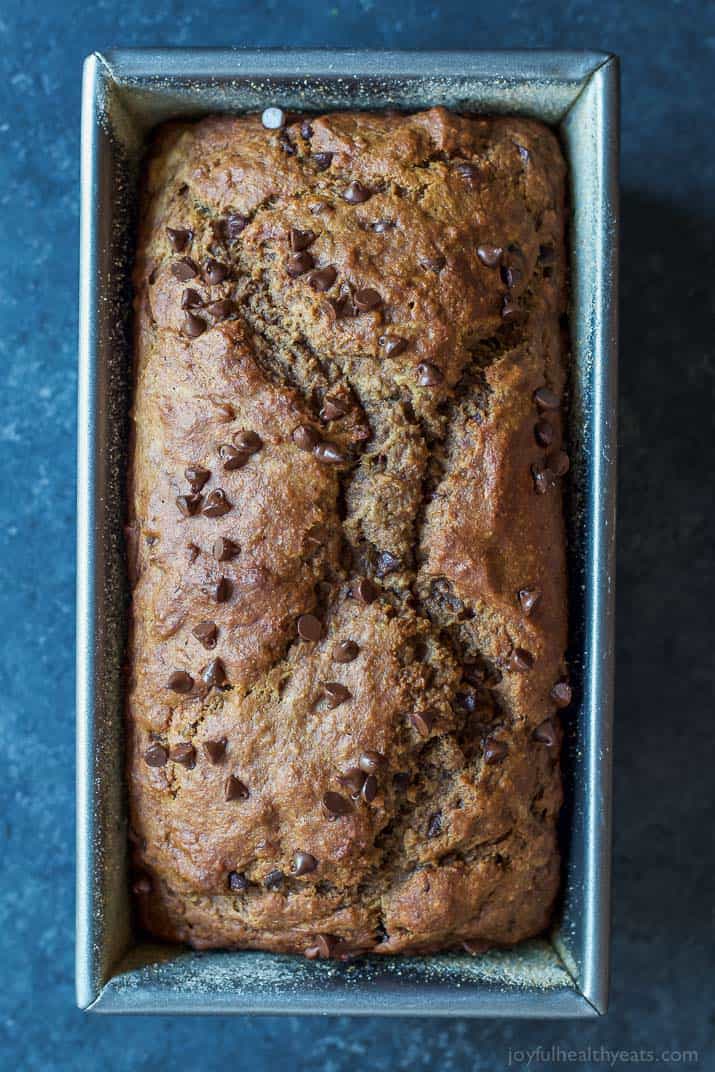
<point>345,533</point>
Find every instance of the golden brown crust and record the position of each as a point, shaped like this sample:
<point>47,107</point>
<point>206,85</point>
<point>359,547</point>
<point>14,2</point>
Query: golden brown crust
<point>428,482</point>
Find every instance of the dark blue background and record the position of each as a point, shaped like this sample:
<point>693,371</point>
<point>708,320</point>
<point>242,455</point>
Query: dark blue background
<point>663,877</point>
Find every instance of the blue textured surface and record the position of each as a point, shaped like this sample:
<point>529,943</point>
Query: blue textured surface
<point>666,679</point>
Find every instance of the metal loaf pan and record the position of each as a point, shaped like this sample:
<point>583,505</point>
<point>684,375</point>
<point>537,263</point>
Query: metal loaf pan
<point>125,94</point>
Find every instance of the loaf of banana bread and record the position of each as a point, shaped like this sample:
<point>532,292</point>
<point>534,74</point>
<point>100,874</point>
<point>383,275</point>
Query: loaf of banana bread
<point>345,534</point>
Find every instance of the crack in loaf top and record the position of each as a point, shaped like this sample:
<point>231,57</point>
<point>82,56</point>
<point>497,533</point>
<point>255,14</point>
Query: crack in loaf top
<point>345,533</point>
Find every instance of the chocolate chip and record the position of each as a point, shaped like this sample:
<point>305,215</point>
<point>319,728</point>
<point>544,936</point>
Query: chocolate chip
<point>336,693</point>
<point>546,399</point>
<point>386,563</point>
<point>215,272</point>
<point>333,409</point>
<point>328,452</point>
<point>273,118</point>
<point>216,504</point>
<point>429,375</point>
<point>218,591</point>
<point>323,160</point>
<point>191,299</point>
<point>215,751</point>
<point>298,264</point>
<point>521,659</point>
<point>196,476</point>
<point>528,598</point>
<point>544,478</point>
<point>248,441</point>
<point>524,153</point>
<point>546,254</point>
<point>156,755</point>
<point>184,754</point>
<point>214,675</point>
<point>309,628</point>
<point>274,880</point>
<point>299,240</point>
<point>346,651</point>
<point>184,269</point>
<point>234,789</point>
<point>219,229</point>
<point>306,130</point>
<point>356,193</point>
<point>193,326</point>
<point>401,781</point>
<point>286,144</point>
<point>561,694</point>
<point>559,463</point>
<point>433,264</point>
<point>221,590</point>
<point>494,750</point>
<point>511,276</point>
<point>544,433</point>
<point>423,722</point>
<point>434,826</point>
<point>322,279</point>
<point>237,881</point>
<point>221,310</point>
<point>206,633</point>
<point>382,226</point>
<point>179,237</point>
<point>323,948</point>
<point>371,761</point>
<point>546,733</point>
<point>304,863</point>
<point>364,590</point>
<point>469,172</point>
<point>231,456</point>
<point>142,884</point>
<point>353,780</point>
<point>510,310</point>
<point>393,345</point>
<point>180,681</point>
<point>224,550</point>
<point>336,805</point>
<point>489,255</point>
<point>305,437</point>
<point>189,504</point>
<point>366,299</point>
<point>369,789</point>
